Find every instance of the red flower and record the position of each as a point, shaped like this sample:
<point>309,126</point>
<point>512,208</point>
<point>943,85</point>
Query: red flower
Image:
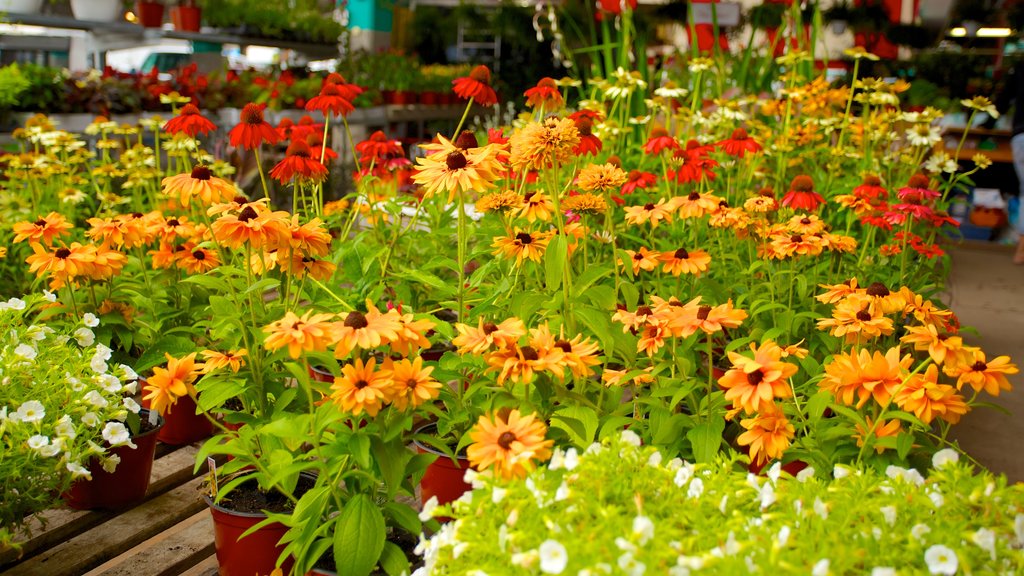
<point>189,121</point>
<point>348,91</point>
<point>316,147</point>
<point>871,190</point>
<point>801,195</point>
<point>592,115</point>
<point>284,128</point>
<point>615,6</point>
<point>298,162</point>
<point>692,167</point>
<point>476,87</point>
<point>253,130</point>
<point>305,127</point>
<point>697,150</point>
<point>638,179</point>
<point>495,136</point>
<point>659,141</point>
<point>330,100</point>
<point>377,147</point>
<point>545,94</point>
<point>941,217</point>
<point>918,211</point>
<point>877,222</point>
<point>739,144</point>
<point>589,144</point>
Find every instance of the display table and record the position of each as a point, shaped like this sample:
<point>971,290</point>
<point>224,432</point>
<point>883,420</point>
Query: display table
<point>992,143</point>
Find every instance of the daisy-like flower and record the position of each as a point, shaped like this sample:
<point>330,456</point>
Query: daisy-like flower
<point>637,179</point>
<point>806,224</point>
<point>694,205</point>
<point>611,377</point>
<point>512,444</point>
<point>200,184</point>
<point>540,145</point>
<point>601,177</point>
<point>739,144</point>
<point>580,355</point>
<point>589,143</point>
<point>332,99</point>
<point>476,87</point>
<point>981,104</point>
<point>659,141</point>
<point>367,331</point>
<point>521,363</point>
<point>940,345</point>
<point>801,195</point>
<point>586,203</point>
<point>972,368</point>
<point>301,266</point>
<point>650,212</point>
<point>488,335</point>
<point>763,202</point>
<point>168,384</point>
<point>754,383</point>
<point>711,319</point>
<point>308,333</point>
<point>412,383</point>
<point>198,260</point>
<point>412,335</point>
<point>63,264</point>
<point>838,292</point>
<point>503,201</point>
<point>768,434</point>
<point>545,95</point>
<point>856,321</point>
<point>922,395</point>
<point>298,164</point>
<point>536,205</point>
<point>881,429</point>
<point>683,261</point>
<point>122,231</point>
<point>45,230</point>
<point>921,134</point>
<point>457,171</point>
<point>254,225</point>
<point>865,375</point>
<point>189,121</point>
<point>311,238</point>
<point>214,360</point>
<point>522,245</point>
<point>786,245</point>
<point>360,388</point>
<point>252,131</point>
<point>642,259</point>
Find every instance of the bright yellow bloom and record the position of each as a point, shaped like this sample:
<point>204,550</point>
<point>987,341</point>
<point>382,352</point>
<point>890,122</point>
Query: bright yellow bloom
<point>512,444</point>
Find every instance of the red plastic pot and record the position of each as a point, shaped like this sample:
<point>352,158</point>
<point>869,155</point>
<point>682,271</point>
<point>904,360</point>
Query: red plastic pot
<point>429,98</point>
<point>443,478</point>
<point>182,424</point>
<point>257,553</point>
<point>127,485</point>
<point>149,13</point>
<point>319,374</point>
<point>186,18</point>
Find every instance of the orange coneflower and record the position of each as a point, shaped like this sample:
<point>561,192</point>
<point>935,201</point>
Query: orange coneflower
<point>540,145</point>
<point>713,319</point>
<point>806,224</point>
<point>734,218</point>
<point>412,335</point>
<point>650,212</point>
<point>611,377</point>
<point>168,229</point>
<point>298,164</point>
<point>476,87</point>
<point>652,339</point>
<point>62,264</point>
<point>768,435</point>
<point>331,99</point>
<point>940,345</point>
<point>310,333</point>
<point>189,121</point>
<point>601,177</point>
<point>360,388</point>
<point>201,184</point>
<point>214,360</point>
<point>412,383</point>
<point>252,131</point>
<point>838,292</point>
<point>865,375</point>
<point>521,363</point>
<point>512,444</point>
<point>522,245</point>
<point>923,310</point>
<point>505,201</point>
<point>855,320</point>
<point>683,261</point>
<point>580,355</point>
<point>971,368</point>
<point>118,232</point>
<point>368,330</point>
<point>755,383</point>
<point>926,398</point>
<point>638,319</point>
<point>166,256</point>
<point>480,339</point>
<point>301,266</point>
<point>642,259</point>
<point>761,204</point>
<point>255,226</point>
<point>885,300</point>
<point>694,205</point>
<point>535,205</point>
<point>106,263</point>
<point>881,429</point>
<point>680,319</point>
<point>311,238</point>
<point>786,245</point>
<point>545,94</point>
<point>45,229</point>
<point>168,384</point>
<point>198,260</point>
<point>456,171</point>
<point>585,203</point>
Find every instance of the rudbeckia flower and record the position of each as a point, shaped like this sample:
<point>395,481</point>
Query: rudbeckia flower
<point>168,384</point>
<point>360,388</point>
<point>860,375</point>
<point>46,229</point>
<point>512,444</point>
<point>201,184</point>
<point>412,383</point>
<point>309,333</point>
<point>522,245</point>
<point>753,384</point>
<point>768,434</point>
<point>971,367</point>
<point>923,396</point>
<point>487,335</point>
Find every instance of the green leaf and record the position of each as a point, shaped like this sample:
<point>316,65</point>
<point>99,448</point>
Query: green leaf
<point>359,537</point>
<point>359,445</point>
<point>554,262</point>
<point>393,560</point>
<point>705,439</point>
<point>391,458</point>
<point>403,516</point>
<point>176,346</point>
<point>817,404</point>
<point>579,422</point>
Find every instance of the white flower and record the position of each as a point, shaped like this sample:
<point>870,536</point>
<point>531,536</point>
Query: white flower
<point>655,459</point>
<point>944,457</point>
<point>525,559</point>
<point>986,540</point>
<point>941,560</point>
<point>102,352</point>
<point>630,437</point>
<point>630,565</point>
<point>889,513</point>
<point>52,450</point>
<point>1018,529</point>
<point>767,496</point>
<point>65,427</point>
<point>919,530</point>
<point>840,471</point>
<point>49,296</point>
<point>110,463</point>
<point>513,517</point>
<point>38,442</point>
<point>84,337</point>
<point>496,496</point>
<point>923,135</point>
<point>109,383</point>
<point>820,567</point>
<point>131,405</point>
<point>96,399</point>
<point>75,383</point>
<point>38,333</point>
<point>553,557</point>
<point>562,493</point>
<point>906,474</point>
<point>116,434</point>
<point>428,509</point>
<point>936,497</point>
<point>883,571</point>
<point>644,528</point>
<point>128,373</point>
<point>90,320</point>
<point>16,304</point>
<point>774,472</point>
<point>696,488</point>
<point>90,419</point>
<point>98,365</point>
<point>820,509</point>
<point>783,537</point>
<point>723,504</point>
<point>25,351</point>
<point>683,475</point>
<point>78,471</point>
<point>31,411</point>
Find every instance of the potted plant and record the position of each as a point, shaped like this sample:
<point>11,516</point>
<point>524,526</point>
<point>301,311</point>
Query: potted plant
<point>150,13</point>
<point>98,10</point>
<point>186,16</point>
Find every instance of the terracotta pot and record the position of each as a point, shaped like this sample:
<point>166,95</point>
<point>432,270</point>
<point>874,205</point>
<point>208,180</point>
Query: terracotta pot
<point>149,13</point>
<point>186,18</point>
<point>387,96</point>
<point>127,485</point>
<point>443,478</point>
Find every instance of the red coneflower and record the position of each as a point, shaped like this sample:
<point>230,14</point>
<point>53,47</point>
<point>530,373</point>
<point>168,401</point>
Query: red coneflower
<point>189,121</point>
<point>284,128</point>
<point>304,127</point>
<point>348,91</point>
<point>801,195</point>
<point>917,190</point>
<point>331,99</point>
<point>871,189</point>
<point>589,144</point>
<point>697,150</point>
<point>544,94</point>
<point>691,167</point>
<point>316,147</point>
<point>476,87</point>
<point>298,162</point>
<point>378,146</point>
<point>637,179</point>
<point>739,144</point>
<point>253,130</point>
<point>660,141</point>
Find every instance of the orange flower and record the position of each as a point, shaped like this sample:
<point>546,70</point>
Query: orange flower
<point>411,335</point>
<point>653,213</point>
<point>512,444</point>
<point>940,345</point>
<point>106,264</point>
<point>601,177</point>
<point>754,383</point>
<point>252,130</point>
<point>412,383</point>
<point>119,232</point>
<point>866,375</point>
<point>643,260</point>
<point>522,245</point>
<point>310,333</point>
<point>476,87</point>
<point>311,238</point>
<point>580,355</point>
<point>45,229</point>
<point>882,429</point>
<point>695,205</point>
<point>714,319</point>
<point>298,163</point>
<point>837,292</point>
<point>652,339</point>
<point>924,311</point>
<point>535,206</point>
<point>198,260</point>
<point>300,266</point>
<point>611,377</point>
<point>361,389</point>
<point>457,171</point>
<point>487,335</point>
<point>544,95</point>
<point>926,398</point>
<point>786,245</point>
<point>189,121</point>
<point>683,262</point>
<point>63,264</point>
<point>167,230</point>
<point>855,320</point>
<point>216,360</point>
<point>367,331</point>
<point>971,368</point>
<point>806,224</point>
<point>200,184</point>
<point>540,145</point>
<point>768,435</point>
<point>255,226</point>
<point>521,363</point>
<point>166,385</point>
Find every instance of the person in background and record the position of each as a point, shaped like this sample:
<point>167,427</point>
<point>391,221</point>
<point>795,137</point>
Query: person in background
<point>1013,91</point>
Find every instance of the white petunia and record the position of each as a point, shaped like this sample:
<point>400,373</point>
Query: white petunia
<point>30,411</point>
<point>109,383</point>
<point>840,471</point>
<point>131,405</point>
<point>941,560</point>
<point>428,509</point>
<point>696,488</point>
<point>820,567</point>
<point>562,493</point>
<point>655,459</point>
<point>25,351</point>
<point>553,557</point>
<point>986,540</point>
<point>683,475</point>
<point>37,333</point>
<point>821,509</point>
<point>643,527</point>
<point>110,463</point>
<point>90,320</point>
<point>38,442</point>
<point>723,504</point>
<point>103,352</point>
<point>51,450</point>
<point>49,296</point>
<point>129,374</point>
<point>774,472</point>
<point>66,427</point>
<point>96,399</point>
<point>98,365</point>
<point>937,498</point>
<point>945,457</point>
<point>90,419</point>
<point>767,496</point>
<point>526,559</point>
<point>630,437</point>
<point>16,304</point>
<point>805,474</point>
<point>783,536</point>
<point>630,565</point>
<point>919,530</point>
<point>84,337</point>
<point>889,513</point>
<point>116,434</point>
<point>78,471</point>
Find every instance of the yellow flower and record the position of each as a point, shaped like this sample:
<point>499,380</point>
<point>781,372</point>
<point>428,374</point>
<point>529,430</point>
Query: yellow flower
<point>512,444</point>
<point>859,52</point>
<point>601,177</point>
<point>981,104</point>
<point>456,171</point>
<point>166,385</point>
<point>538,146</point>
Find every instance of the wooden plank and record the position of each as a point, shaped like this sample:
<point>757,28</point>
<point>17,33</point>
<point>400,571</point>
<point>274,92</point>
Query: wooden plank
<point>168,472</point>
<point>90,549</point>
<point>169,553</point>
<point>208,567</point>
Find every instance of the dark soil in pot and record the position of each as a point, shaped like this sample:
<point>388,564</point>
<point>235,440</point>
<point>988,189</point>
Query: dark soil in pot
<point>248,498</point>
<point>407,542</point>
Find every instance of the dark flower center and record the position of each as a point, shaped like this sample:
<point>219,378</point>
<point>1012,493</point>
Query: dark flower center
<point>201,173</point>
<point>252,114</point>
<point>872,180</point>
<point>805,221</point>
<point>136,215</point>
<point>877,289</point>
<point>754,378</point>
<point>506,439</point>
<point>585,126</point>
<point>796,238</point>
<point>644,311</point>
<point>481,74</point>
<point>524,238</point>
<point>466,140</point>
<point>456,161</point>
<point>411,383</point>
<point>529,353</point>
<point>682,254</point>
<point>739,134</point>
<point>199,255</point>
<point>658,132</point>
<point>360,384</point>
<point>648,206</point>
<point>802,183</point>
<point>490,327</point>
<point>247,214</point>
<point>356,319</point>
<point>918,181</point>
<point>979,366</point>
<point>299,148</point>
<point>40,223</point>
<point>693,197</point>
<point>63,253</point>
<point>703,311</point>
<point>564,346</point>
<point>864,316</point>
<point>173,222</point>
<point>240,200</point>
